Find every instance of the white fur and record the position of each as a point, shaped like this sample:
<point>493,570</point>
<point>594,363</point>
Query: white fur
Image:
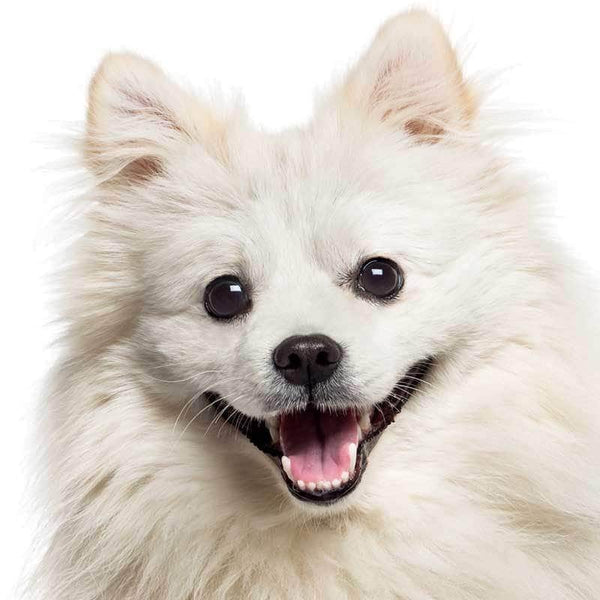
<point>485,487</point>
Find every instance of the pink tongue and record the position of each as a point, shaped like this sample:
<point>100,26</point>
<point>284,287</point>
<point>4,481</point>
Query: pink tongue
<point>317,443</point>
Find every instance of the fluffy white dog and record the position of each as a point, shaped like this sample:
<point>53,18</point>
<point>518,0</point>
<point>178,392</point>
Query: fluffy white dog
<point>247,314</point>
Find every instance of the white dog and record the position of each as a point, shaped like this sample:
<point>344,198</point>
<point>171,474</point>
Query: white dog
<point>247,314</point>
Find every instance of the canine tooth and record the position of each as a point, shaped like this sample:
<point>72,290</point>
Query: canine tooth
<point>311,485</point>
<point>273,426</point>
<point>327,486</point>
<point>274,431</point>
<point>345,476</point>
<point>286,463</point>
<point>365,422</point>
<point>301,484</point>
<point>352,453</point>
<point>336,483</point>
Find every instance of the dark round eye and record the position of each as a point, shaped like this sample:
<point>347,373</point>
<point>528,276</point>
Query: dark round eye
<point>225,297</point>
<point>380,277</point>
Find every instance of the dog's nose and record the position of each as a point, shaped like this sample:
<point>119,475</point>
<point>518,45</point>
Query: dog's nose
<point>307,359</point>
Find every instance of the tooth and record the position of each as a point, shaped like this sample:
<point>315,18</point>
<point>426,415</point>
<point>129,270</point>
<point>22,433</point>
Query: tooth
<point>286,463</point>
<point>352,453</point>
<point>327,486</point>
<point>301,484</point>
<point>336,483</point>
<point>273,426</point>
<point>312,486</point>
<point>320,485</point>
<point>365,422</point>
<point>274,431</point>
<point>345,476</point>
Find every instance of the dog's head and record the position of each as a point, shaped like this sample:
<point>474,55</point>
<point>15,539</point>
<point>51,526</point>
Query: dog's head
<point>300,288</point>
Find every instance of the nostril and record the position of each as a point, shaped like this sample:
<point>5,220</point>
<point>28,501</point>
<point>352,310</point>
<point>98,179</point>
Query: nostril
<point>323,359</point>
<point>294,362</point>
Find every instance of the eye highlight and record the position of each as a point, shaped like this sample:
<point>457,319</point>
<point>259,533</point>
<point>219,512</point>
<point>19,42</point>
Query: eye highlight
<point>226,297</point>
<point>380,277</point>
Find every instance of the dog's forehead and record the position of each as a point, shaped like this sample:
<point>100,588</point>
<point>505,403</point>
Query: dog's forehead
<point>305,186</point>
<point>304,198</point>
<point>310,212</point>
<point>296,227</point>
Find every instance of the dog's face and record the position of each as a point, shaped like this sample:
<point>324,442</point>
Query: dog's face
<point>300,288</point>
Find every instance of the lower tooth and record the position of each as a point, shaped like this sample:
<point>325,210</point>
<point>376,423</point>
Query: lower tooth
<point>327,486</point>
<point>352,453</point>
<point>345,477</point>
<point>286,463</point>
<point>301,484</point>
<point>336,483</point>
<point>312,486</point>
<point>320,485</point>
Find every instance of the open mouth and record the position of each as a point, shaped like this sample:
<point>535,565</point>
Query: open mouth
<point>323,454</point>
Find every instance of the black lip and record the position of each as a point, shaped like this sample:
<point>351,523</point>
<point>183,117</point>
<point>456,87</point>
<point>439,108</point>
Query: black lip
<point>258,434</point>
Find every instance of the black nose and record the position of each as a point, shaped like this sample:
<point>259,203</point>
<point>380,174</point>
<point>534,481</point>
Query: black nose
<point>307,359</point>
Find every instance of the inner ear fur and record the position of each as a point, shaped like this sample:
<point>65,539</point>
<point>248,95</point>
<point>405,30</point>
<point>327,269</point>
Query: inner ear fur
<point>409,78</point>
<point>137,115</point>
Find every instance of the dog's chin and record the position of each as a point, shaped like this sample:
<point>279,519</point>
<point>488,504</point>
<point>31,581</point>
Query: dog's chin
<point>322,454</point>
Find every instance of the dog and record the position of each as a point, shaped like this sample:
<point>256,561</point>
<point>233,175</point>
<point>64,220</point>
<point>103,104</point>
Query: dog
<point>342,361</point>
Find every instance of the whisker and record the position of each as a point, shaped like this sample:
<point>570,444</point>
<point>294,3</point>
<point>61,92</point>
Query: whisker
<point>192,399</point>
<point>194,376</point>
<point>236,415</point>
<point>215,401</point>
<point>380,411</point>
<point>198,395</point>
<point>216,418</point>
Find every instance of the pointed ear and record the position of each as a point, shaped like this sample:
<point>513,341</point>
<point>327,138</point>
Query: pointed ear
<point>410,78</point>
<point>136,115</point>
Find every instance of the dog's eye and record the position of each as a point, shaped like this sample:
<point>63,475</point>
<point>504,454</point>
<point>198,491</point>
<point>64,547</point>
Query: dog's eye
<point>380,277</point>
<point>225,297</point>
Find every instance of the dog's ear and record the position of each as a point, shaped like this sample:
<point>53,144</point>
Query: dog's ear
<point>410,78</point>
<point>136,115</point>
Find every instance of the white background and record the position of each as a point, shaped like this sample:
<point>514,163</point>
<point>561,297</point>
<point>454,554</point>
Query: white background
<point>543,56</point>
